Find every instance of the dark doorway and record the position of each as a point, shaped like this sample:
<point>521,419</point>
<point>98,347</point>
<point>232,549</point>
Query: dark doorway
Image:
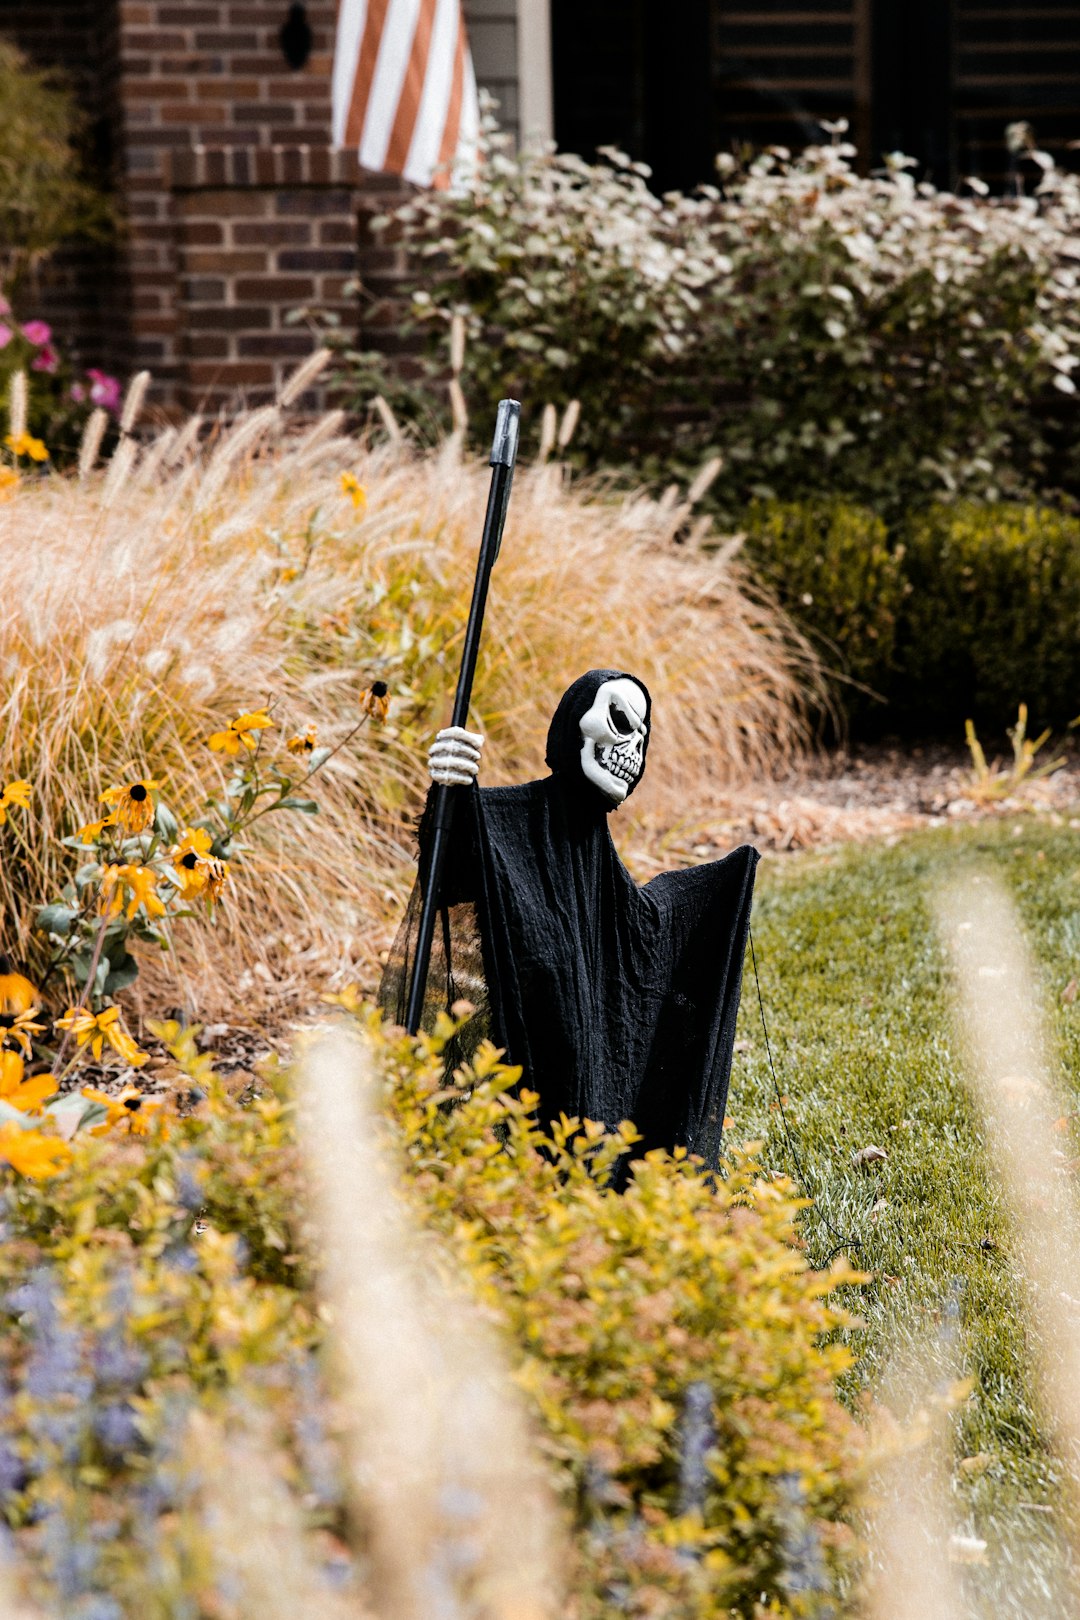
<point>637,74</point>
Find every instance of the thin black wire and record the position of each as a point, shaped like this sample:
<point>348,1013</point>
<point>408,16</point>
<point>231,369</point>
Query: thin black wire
<point>842,1241</point>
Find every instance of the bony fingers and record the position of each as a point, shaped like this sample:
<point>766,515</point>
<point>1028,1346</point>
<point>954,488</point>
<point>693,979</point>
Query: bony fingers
<point>458,734</point>
<point>448,778</point>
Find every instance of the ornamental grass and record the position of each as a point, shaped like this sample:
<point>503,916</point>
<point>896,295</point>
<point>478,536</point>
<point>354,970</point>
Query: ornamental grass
<point>297,580</point>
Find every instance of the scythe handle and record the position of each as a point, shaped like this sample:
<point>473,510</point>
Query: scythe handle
<point>503,457</point>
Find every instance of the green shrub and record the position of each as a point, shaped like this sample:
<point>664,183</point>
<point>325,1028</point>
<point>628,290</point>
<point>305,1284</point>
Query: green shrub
<point>992,617</point>
<point>833,569</point>
<point>828,332</point>
<point>43,196</point>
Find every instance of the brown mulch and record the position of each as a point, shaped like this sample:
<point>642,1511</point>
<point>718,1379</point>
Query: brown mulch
<point>862,794</point>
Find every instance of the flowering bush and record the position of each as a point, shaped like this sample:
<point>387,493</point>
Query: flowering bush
<point>678,1355</point>
<point>825,331</point>
<point>58,398</point>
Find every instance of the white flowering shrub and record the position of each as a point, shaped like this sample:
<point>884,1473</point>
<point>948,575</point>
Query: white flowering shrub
<point>827,332</point>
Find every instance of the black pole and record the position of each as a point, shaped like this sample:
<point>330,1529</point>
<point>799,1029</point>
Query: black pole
<point>503,456</point>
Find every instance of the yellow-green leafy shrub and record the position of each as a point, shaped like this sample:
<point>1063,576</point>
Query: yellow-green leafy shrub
<point>835,571</point>
<point>678,1354</point>
<point>992,617</point>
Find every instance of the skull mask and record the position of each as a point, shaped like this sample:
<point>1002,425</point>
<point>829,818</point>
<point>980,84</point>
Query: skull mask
<point>614,730</point>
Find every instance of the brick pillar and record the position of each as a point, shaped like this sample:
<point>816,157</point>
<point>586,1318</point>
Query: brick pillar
<point>259,233</point>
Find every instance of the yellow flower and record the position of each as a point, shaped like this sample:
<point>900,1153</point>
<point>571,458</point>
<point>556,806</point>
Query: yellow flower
<point>25,1095</point>
<point>97,1028</point>
<point>94,829</point>
<point>189,858</point>
<point>31,1153</point>
<point>133,804</point>
<point>217,875</point>
<point>9,482</point>
<point>287,575</point>
<point>16,793</point>
<point>240,731</point>
<point>305,744</point>
<point>375,701</point>
<point>354,489</point>
<point>141,883</point>
<point>27,445</point>
<point>17,994</point>
<point>132,1110</point>
<point>16,1030</point>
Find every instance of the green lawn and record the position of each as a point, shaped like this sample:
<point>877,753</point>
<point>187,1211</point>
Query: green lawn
<point>853,982</point>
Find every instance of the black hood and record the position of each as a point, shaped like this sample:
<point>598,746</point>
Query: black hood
<point>563,754</point>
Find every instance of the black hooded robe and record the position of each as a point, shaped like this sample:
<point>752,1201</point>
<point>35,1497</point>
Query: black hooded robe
<point>618,1000</point>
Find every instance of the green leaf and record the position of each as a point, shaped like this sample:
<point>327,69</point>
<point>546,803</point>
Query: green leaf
<point>307,807</point>
<point>15,1116</point>
<point>56,919</point>
<point>166,823</point>
<point>121,973</point>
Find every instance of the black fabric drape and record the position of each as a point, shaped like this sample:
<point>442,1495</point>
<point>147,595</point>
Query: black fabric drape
<point>618,1000</point>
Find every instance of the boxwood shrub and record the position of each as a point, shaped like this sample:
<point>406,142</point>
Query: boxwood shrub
<point>991,617</point>
<point>834,569</point>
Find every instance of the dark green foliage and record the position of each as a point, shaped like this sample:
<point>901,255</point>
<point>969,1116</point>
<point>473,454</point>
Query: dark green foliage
<point>832,567</point>
<point>992,618</point>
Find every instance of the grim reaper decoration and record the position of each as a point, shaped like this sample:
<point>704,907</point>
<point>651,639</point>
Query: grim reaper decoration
<point>618,1000</point>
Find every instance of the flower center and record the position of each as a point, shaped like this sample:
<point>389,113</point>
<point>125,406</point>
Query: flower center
<point>138,793</point>
<point>379,689</point>
<point>7,1020</point>
<point>190,860</point>
<point>133,1103</point>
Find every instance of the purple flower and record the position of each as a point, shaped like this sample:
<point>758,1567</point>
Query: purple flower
<point>6,334</point>
<point>46,359</point>
<point>104,390</point>
<point>37,332</point>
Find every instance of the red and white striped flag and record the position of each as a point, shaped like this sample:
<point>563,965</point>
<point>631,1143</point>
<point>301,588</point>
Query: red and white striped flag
<point>404,89</point>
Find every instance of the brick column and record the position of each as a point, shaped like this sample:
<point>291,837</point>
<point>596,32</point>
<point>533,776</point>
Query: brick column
<point>258,233</point>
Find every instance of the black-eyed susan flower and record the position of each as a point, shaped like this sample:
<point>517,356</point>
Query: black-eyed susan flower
<point>376,701</point>
<point>16,1030</point>
<point>94,829</point>
<point>32,1153</point>
<point>17,994</point>
<point>189,856</point>
<point>305,744</point>
<point>16,794</point>
<point>132,1110</point>
<point>133,804</point>
<point>354,489</point>
<point>24,444</point>
<point>240,733</point>
<point>217,876</point>
<point>94,1029</point>
<point>125,888</point>
<point>9,482</point>
<point>25,1095</point>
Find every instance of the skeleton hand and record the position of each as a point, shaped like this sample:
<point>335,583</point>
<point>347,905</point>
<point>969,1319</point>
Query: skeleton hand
<point>454,756</point>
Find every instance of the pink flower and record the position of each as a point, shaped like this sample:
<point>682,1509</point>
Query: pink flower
<point>104,390</point>
<point>37,332</point>
<point>6,335</point>
<point>45,360</point>
<point>78,393</point>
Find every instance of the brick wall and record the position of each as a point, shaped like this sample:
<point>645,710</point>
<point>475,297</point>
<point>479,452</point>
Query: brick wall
<point>236,210</point>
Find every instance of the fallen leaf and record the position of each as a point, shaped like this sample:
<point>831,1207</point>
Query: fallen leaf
<point>1069,994</point>
<point>978,1464</point>
<point>865,1157</point>
<point>879,1208</point>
